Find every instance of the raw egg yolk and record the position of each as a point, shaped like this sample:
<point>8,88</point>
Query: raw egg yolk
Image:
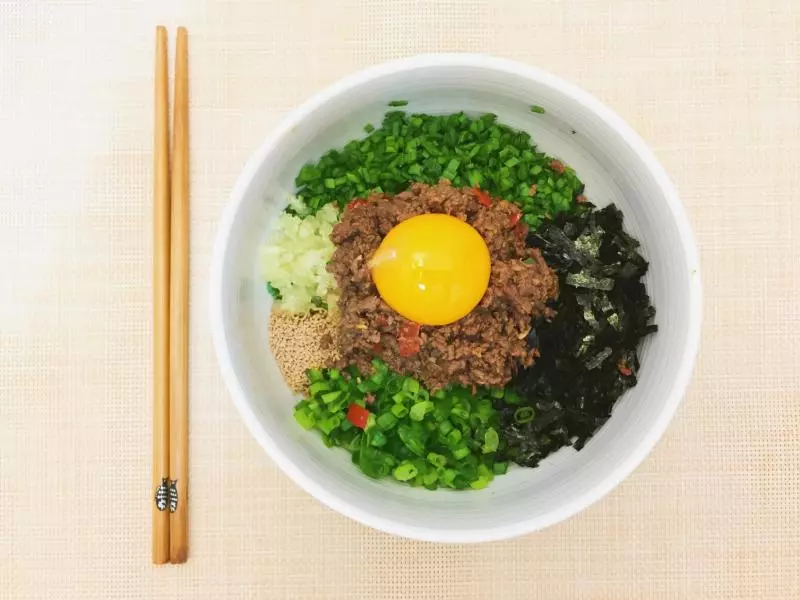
<point>433,269</point>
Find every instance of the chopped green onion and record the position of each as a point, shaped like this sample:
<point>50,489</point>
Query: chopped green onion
<point>524,414</point>
<point>500,468</point>
<point>420,409</point>
<point>386,421</point>
<point>429,479</point>
<point>454,437</point>
<point>411,439</point>
<point>491,440</point>
<point>461,408</point>
<point>378,439</point>
<point>314,375</point>
<point>437,460</point>
<point>448,477</point>
<point>460,452</point>
<point>320,386</point>
<point>329,397</point>
<point>411,386</point>
<point>484,477</point>
<point>305,418</point>
<point>329,424</point>
<point>445,427</point>
<point>450,435</point>
<point>273,291</point>
<point>399,411</point>
<point>478,152</point>
<point>405,471</point>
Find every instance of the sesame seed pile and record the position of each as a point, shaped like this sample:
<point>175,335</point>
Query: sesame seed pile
<point>300,341</point>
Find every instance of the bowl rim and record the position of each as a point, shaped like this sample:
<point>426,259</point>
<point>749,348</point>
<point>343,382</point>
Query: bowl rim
<point>463,535</point>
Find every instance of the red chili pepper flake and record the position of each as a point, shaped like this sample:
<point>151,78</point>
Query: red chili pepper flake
<point>408,339</point>
<point>515,218</point>
<point>557,166</point>
<point>581,199</point>
<point>483,197</point>
<point>408,347</point>
<point>358,416</point>
<point>356,203</point>
<point>409,329</point>
<point>624,369</point>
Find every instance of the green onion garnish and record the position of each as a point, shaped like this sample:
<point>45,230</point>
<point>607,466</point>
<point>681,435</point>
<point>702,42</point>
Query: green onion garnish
<point>405,471</point>
<point>476,152</point>
<point>524,414</point>
<point>443,439</point>
<point>491,441</point>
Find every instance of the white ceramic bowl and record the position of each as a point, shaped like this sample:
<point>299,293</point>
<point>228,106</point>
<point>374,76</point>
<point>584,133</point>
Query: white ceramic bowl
<point>616,166</point>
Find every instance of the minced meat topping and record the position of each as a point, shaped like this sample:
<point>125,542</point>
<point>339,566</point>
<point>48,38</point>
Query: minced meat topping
<point>485,347</point>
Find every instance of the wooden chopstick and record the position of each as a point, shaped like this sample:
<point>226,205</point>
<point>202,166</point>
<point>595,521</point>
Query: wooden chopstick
<point>179,305</point>
<point>161,260</point>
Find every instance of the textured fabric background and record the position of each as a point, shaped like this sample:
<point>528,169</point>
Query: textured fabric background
<point>712,85</point>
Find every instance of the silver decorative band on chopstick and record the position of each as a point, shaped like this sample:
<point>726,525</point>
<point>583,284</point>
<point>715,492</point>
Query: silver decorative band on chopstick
<point>167,495</point>
<point>173,495</point>
<point>162,495</point>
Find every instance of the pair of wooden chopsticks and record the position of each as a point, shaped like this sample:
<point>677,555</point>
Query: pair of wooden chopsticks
<point>171,308</point>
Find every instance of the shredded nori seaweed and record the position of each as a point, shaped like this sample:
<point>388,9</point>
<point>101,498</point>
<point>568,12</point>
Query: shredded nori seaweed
<point>589,348</point>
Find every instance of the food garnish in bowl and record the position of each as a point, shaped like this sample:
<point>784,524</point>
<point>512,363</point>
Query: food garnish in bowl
<point>455,302</point>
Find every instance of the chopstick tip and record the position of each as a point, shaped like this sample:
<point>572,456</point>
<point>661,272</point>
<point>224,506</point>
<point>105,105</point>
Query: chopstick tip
<point>178,556</point>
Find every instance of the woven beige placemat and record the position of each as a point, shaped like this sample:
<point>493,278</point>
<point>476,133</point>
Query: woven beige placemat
<point>712,85</point>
